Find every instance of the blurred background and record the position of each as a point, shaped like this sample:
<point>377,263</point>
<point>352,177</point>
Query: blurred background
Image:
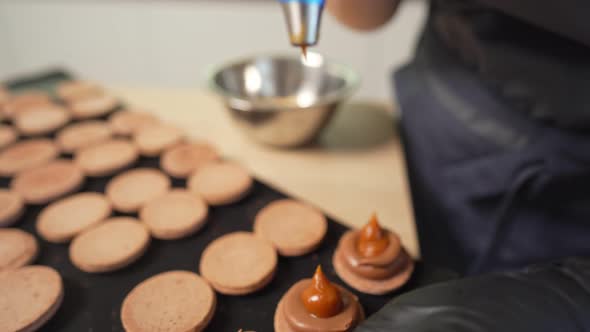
<point>175,43</point>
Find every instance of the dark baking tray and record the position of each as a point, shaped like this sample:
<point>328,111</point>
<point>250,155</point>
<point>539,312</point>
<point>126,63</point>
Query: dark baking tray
<point>92,301</point>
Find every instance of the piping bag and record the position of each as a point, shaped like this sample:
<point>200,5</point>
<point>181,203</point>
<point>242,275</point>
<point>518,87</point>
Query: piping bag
<point>303,19</point>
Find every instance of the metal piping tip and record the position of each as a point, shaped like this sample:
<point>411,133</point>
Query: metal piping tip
<point>303,20</point>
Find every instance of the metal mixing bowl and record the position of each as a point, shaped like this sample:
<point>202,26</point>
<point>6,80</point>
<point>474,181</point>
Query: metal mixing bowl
<point>282,100</point>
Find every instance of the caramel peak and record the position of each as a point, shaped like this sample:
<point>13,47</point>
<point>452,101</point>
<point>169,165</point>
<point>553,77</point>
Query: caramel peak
<point>372,239</point>
<point>322,299</point>
<point>320,281</point>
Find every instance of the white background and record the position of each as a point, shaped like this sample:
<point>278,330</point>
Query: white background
<point>175,43</point>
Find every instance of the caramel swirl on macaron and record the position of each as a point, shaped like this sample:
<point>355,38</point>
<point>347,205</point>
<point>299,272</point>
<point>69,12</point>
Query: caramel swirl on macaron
<point>372,260</point>
<point>318,305</point>
<point>372,239</point>
<point>321,298</point>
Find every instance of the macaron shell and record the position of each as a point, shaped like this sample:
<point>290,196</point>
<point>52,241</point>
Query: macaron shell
<point>31,296</point>
<point>238,262</point>
<point>106,158</point>
<point>109,246</point>
<point>189,301</point>
<point>76,90</point>
<point>60,221</point>
<point>93,106</point>
<point>46,183</point>
<point>174,215</point>
<point>221,183</point>
<point>83,134</point>
<point>183,159</point>
<point>244,290</point>
<point>294,228</point>
<point>128,122</point>
<point>41,120</point>
<point>8,136</point>
<point>12,206</point>
<point>152,140</point>
<point>129,191</point>
<point>24,101</point>
<point>17,248</point>
<point>25,155</point>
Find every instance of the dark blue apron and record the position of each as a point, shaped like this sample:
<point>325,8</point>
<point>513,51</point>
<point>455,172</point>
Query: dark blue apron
<point>492,188</point>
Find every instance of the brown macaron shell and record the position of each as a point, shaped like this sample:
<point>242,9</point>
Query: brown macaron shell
<point>83,134</point>
<point>32,295</point>
<point>246,290</point>
<point>221,183</point>
<point>62,220</point>
<point>129,191</point>
<point>17,248</point>
<point>8,136</point>
<point>107,157</point>
<point>153,140</point>
<point>46,183</point>
<point>93,106</point>
<point>128,122</point>
<point>25,101</point>
<point>238,263</point>
<point>12,207</point>
<point>184,159</point>
<point>75,90</point>
<point>110,245</point>
<point>25,155</point>
<point>174,215</point>
<point>189,301</point>
<point>41,120</point>
<point>294,228</point>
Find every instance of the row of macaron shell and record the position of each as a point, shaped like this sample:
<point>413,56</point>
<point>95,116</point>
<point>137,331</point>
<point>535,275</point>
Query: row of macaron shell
<point>91,236</point>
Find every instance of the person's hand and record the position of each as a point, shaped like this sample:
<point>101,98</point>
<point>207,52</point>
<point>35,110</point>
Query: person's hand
<point>362,15</point>
<point>548,298</point>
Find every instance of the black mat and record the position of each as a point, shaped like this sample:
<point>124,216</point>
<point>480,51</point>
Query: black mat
<point>92,302</point>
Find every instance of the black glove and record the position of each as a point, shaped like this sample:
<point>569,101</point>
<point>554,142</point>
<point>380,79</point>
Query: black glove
<point>545,298</point>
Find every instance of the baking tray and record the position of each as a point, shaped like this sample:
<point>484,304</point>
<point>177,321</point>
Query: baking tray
<point>92,302</point>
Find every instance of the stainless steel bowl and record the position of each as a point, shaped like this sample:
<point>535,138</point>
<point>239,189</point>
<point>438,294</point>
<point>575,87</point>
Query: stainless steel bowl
<point>282,100</point>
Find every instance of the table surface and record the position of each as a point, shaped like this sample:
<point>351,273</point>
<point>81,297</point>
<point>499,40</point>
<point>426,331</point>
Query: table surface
<point>93,301</point>
<point>355,168</point>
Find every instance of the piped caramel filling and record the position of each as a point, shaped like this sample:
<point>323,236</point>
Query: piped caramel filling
<point>300,320</point>
<point>384,266</point>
